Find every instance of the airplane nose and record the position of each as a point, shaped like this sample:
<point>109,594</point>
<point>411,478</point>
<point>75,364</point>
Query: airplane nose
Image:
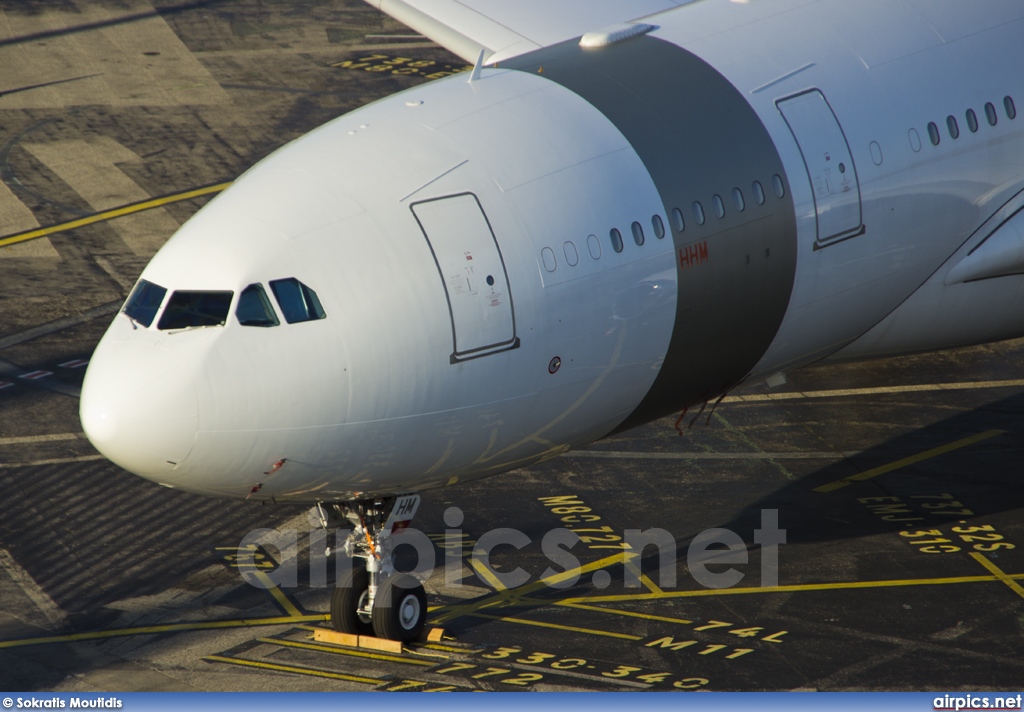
<point>139,407</point>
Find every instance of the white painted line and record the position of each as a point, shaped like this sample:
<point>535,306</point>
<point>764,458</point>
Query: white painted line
<point>922,388</point>
<point>77,363</point>
<point>48,438</point>
<point>5,384</point>
<point>55,617</point>
<point>35,375</point>
<point>55,461</point>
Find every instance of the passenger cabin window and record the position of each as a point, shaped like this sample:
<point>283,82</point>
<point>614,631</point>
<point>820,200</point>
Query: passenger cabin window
<point>297,301</point>
<point>778,186</point>
<point>737,200</point>
<point>187,310</point>
<point>933,134</point>
<point>677,220</point>
<point>1011,109</point>
<point>972,121</point>
<point>719,206</point>
<point>758,192</point>
<point>638,234</point>
<point>658,225</point>
<point>954,129</point>
<point>698,213</point>
<point>990,114</point>
<point>616,237</point>
<point>144,302</point>
<point>254,307</point>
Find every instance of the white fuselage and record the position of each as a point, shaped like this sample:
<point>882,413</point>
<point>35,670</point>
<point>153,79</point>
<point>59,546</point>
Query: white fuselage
<point>477,314</point>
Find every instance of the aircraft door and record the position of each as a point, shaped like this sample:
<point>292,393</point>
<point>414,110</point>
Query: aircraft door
<point>829,163</point>
<point>472,271</point>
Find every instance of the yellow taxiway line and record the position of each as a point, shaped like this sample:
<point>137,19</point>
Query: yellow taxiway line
<point>282,599</point>
<point>794,588</point>
<point>121,211</point>
<point>876,391</point>
<point>999,573</point>
<point>295,669</point>
<point>335,650</point>
<point>558,626</point>
<point>486,574</point>
<point>509,597</point>
<point>913,459</point>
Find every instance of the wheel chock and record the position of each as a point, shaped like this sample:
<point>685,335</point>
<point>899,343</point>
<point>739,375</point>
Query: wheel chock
<point>349,640</point>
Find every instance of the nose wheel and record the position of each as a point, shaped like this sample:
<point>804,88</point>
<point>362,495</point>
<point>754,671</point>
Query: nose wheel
<point>372,598</point>
<point>400,611</point>
<point>350,601</point>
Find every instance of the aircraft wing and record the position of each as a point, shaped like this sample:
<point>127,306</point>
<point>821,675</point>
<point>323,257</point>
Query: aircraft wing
<point>504,29</point>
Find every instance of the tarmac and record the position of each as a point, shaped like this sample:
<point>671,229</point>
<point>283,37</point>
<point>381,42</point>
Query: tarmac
<point>898,563</point>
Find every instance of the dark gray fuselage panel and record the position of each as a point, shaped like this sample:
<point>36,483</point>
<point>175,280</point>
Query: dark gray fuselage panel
<point>701,142</point>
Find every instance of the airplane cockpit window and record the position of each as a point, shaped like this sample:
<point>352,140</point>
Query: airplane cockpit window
<point>194,309</point>
<point>144,302</point>
<point>254,308</point>
<point>297,301</point>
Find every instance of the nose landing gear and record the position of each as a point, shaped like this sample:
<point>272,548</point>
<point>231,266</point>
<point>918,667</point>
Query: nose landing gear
<point>372,598</point>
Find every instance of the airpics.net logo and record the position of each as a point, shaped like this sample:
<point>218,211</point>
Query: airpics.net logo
<point>711,558</point>
<point>977,702</point>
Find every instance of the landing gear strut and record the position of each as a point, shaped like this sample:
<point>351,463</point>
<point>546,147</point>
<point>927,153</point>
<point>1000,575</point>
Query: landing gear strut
<point>372,598</point>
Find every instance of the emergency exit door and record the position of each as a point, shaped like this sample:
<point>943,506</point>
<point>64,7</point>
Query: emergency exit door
<point>829,163</point>
<point>473,274</point>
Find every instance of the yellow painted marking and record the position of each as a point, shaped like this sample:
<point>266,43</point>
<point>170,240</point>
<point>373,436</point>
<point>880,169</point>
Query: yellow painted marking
<point>556,626</point>
<point>913,459</point>
<point>344,651</point>
<point>313,672</point>
<point>487,575</point>
<point>881,390</point>
<point>620,612</point>
<point>999,573</point>
<point>282,599</point>
<point>651,586</point>
<point>845,585</point>
<point>406,685</point>
<point>157,629</point>
<point>510,596</point>
<point>129,209</point>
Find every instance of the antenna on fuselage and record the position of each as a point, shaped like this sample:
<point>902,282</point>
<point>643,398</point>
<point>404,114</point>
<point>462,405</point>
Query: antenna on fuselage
<point>475,74</point>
